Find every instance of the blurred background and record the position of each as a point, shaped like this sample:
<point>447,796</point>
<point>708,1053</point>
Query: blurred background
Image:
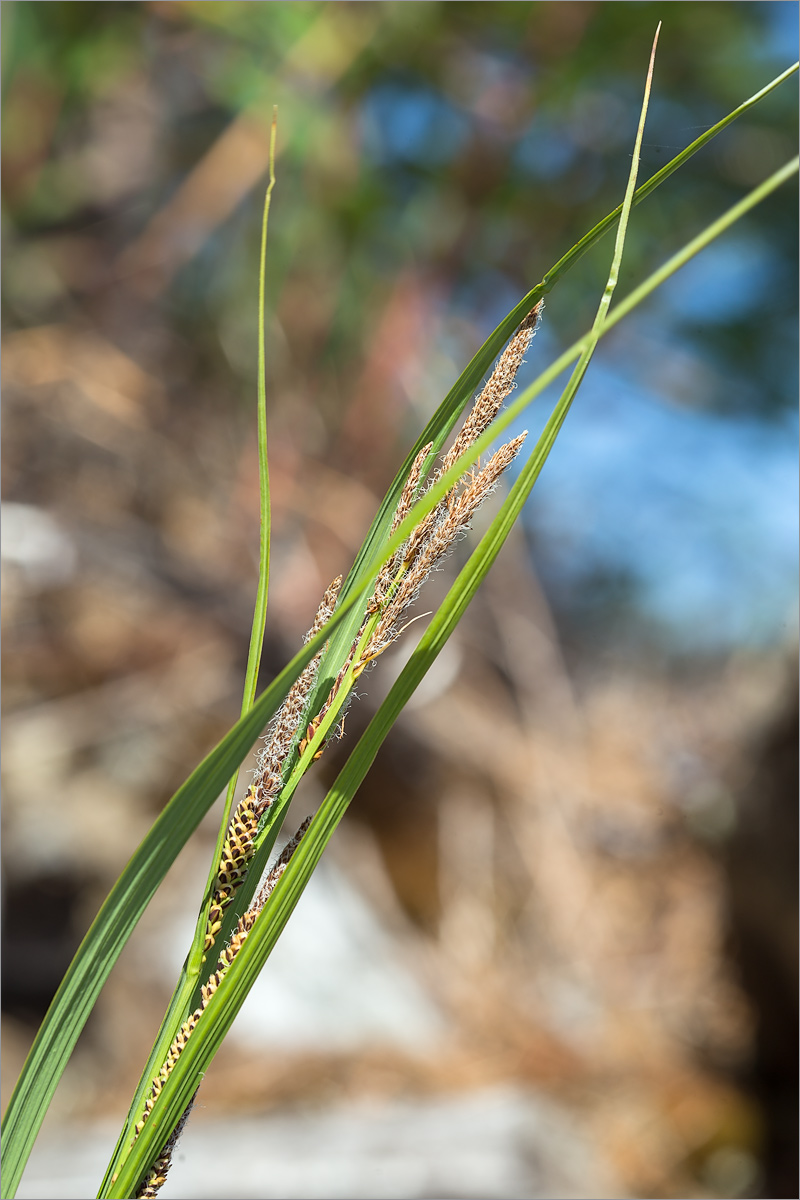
<point>552,950</point>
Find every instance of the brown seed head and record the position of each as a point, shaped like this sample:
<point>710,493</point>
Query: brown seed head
<point>497,389</point>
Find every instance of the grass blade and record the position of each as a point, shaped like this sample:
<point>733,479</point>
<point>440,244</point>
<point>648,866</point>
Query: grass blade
<point>117,918</point>
<point>262,591</point>
<point>246,966</point>
<point>655,181</point>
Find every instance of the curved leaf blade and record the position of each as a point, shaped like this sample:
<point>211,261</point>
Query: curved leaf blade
<point>115,921</point>
<point>228,998</point>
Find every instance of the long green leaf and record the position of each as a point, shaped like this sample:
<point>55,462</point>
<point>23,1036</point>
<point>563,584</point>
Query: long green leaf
<point>228,998</point>
<point>116,919</point>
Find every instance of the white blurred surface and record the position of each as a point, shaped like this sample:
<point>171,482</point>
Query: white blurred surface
<point>490,1143</point>
<point>337,980</point>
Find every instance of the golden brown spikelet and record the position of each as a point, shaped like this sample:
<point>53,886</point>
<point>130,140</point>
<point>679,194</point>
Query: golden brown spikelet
<point>401,577</point>
<point>226,957</point>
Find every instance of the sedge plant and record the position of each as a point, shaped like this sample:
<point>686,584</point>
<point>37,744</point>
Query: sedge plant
<point>248,899</point>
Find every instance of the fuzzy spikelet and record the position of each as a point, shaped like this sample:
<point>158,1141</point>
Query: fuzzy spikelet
<point>396,590</point>
<point>409,493</point>
<point>314,725</point>
<point>498,388</point>
<point>486,407</point>
<point>267,782</point>
<point>458,511</point>
<point>156,1177</point>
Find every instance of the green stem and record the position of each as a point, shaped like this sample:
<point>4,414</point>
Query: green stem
<point>180,1002</point>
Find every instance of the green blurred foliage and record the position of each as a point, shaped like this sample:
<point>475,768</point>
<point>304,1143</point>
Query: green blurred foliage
<point>529,108</point>
<point>435,160</point>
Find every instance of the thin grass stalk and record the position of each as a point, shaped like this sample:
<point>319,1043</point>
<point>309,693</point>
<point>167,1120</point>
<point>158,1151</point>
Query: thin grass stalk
<point>265,530</point>
<point>186,983</point>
